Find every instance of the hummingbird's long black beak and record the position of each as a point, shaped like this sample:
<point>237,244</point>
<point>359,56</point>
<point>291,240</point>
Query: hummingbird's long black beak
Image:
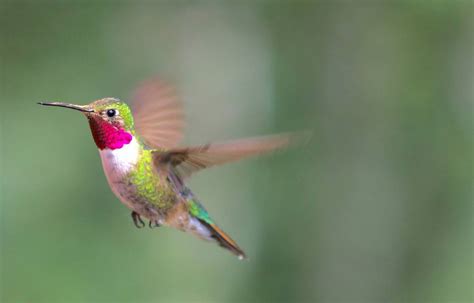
<point>82,108</point>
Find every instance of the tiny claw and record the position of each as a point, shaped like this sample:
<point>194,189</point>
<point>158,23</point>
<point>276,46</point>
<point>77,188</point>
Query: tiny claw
<point>153,223</point>
<point>137,220</point>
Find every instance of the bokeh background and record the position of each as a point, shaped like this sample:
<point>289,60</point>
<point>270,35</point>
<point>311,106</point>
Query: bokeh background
<point>378,207</point>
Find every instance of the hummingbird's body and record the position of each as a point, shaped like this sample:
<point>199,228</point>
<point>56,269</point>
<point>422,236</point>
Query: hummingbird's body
<point>146,170</point>
<point>145,189</point>
<point>136,182</point>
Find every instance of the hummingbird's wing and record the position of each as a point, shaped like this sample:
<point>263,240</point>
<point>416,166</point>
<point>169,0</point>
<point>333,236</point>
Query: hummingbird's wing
<point>188,160</point>
<point>158,114</point>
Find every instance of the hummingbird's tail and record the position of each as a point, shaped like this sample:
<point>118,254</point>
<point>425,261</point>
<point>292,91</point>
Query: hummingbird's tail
<point>202,226</point>
<point>223,239</point>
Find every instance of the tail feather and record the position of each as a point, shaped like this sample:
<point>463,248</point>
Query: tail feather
<point>223,239</point>
<point>201,225</point>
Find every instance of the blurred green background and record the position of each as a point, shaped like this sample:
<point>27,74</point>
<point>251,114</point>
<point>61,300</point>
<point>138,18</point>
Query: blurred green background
<point>377,208</point>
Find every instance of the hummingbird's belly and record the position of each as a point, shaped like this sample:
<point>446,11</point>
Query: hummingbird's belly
<point>133,179</point>
<point>149,204</point>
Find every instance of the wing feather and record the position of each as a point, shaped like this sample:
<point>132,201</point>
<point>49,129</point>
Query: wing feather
<point>188,160</point>
<point>158,114</point>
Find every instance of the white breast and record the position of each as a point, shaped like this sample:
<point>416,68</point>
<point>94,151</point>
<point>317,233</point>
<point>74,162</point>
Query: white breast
<point>118,162</point>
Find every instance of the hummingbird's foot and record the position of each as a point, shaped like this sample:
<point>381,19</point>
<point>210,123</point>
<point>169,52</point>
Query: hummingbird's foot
<point>137,220</point>
<point>153,223</point>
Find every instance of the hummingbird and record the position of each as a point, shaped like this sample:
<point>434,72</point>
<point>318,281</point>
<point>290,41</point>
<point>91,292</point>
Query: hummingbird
<point>147,169</point>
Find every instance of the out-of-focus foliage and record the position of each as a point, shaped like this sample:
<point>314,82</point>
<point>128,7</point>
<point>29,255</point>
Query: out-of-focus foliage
<point>377,208</point>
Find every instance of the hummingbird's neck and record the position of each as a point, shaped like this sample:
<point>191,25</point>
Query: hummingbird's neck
<point>107,135</point>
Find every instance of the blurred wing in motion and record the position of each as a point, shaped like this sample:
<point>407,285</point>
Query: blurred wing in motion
<point>188,160</point>
<point>158,114</point>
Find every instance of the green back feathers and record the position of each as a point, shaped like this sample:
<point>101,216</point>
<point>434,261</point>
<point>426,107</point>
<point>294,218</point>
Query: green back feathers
<point>148,183</point>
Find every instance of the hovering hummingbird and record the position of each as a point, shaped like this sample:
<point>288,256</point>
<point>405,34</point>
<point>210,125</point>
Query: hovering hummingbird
<point>146,169</point>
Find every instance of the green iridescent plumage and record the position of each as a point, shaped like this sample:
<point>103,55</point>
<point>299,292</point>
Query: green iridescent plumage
<point>197,210</point>
<point>148,184</point>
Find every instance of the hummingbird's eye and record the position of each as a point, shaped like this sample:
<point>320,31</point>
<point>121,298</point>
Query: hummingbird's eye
<point>111,112</point>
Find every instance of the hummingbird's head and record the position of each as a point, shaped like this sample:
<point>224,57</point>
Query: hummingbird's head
<point>111,111</point>
<point>110,120</point>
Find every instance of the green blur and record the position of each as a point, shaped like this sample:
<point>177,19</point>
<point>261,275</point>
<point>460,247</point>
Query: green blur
<point>377,207</point>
